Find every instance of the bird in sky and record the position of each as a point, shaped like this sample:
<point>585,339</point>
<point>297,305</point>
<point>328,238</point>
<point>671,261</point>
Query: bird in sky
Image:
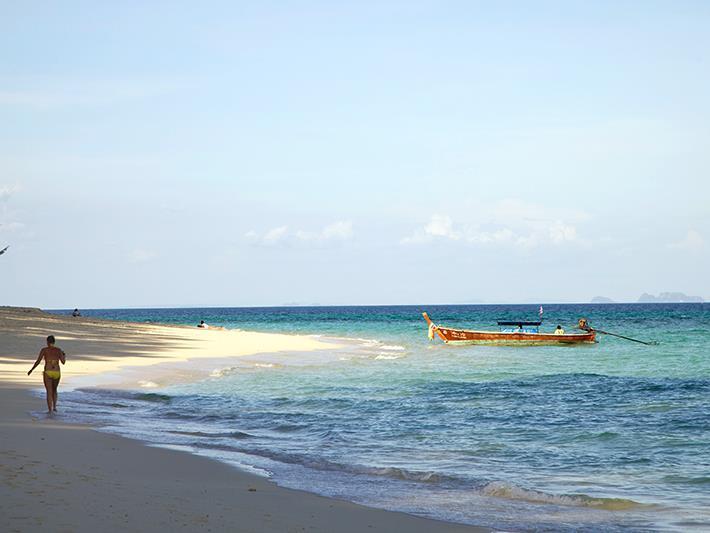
<point>4,250</point>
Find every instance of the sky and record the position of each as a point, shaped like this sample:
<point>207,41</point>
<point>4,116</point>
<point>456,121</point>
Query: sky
<point>334,153</point>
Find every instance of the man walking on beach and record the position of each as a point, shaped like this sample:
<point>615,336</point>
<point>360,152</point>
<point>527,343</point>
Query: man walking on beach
<point>52,356</point>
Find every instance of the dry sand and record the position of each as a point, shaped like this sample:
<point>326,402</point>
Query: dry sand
<point>56,476</point>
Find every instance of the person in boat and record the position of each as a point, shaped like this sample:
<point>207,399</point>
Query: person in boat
<point>202,324</point>
<point>559,330</point>
<point>52,357</point>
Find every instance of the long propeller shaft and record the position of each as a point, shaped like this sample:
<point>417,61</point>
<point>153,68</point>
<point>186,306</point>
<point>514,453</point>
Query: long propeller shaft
<point>652,343</point>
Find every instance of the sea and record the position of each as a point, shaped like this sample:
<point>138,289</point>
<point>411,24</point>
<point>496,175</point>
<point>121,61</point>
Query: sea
<point>613,436</point>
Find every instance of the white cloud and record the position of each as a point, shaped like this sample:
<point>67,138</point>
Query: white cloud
<point>341,230</point>
<point>507,222</point>
<point>274,235</point>
<point>693,240</point>
<point>6,191</point>
<point>338,230</point>
<point>441,226</point>
<point>560,232</point>
<point>141,255</point>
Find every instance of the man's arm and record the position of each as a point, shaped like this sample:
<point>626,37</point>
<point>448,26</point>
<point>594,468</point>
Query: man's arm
<point>39,358</point>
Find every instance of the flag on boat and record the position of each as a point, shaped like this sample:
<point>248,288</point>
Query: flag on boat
<point>541,311</point>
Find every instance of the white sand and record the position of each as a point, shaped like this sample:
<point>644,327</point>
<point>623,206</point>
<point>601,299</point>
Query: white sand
<point>60,477</point>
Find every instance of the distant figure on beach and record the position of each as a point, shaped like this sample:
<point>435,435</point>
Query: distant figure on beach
<point>76,313</point>
<point>559,330</point>
<point>202,324</point>
<point>52,356</point>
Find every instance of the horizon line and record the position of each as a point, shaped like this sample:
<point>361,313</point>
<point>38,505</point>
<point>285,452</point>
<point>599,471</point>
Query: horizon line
<point>274,306</point>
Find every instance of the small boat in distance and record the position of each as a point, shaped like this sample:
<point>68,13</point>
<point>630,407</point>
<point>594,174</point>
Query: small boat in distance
<point>513,333</point>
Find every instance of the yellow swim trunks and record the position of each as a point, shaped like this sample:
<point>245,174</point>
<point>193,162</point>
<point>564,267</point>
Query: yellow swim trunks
<point>53,374</point>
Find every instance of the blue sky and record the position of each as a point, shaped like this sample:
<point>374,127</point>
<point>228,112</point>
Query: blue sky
<point>351,153</point>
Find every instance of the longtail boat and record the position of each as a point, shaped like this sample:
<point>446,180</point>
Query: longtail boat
<point>514,333</point>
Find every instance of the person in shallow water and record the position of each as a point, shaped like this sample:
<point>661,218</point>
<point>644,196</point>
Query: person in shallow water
<point>52,356</point>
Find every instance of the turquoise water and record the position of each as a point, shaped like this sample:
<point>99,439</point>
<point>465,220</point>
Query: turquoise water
<point>611,436</point>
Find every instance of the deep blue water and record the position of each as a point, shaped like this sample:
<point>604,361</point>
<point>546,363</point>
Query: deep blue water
<point>611,436</point>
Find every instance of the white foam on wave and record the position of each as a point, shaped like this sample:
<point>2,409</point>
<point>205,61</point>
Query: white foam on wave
<point>230,457</point>
<point>367,348</point>
<point>221,372</point>
<point>147,384</point>
<point>398,473</point>
<point>499,489</point>
<point>356,340</point>
<point>392,347</point>
<point>388,357</point>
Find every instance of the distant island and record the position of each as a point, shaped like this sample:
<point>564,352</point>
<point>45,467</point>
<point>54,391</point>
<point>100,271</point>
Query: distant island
<point>662,298</point>
<point>602,300</point>
<point>669,297</point>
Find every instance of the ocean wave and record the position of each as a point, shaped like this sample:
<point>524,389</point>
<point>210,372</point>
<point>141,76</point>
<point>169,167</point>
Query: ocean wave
<point>387,356</point>
<point>223,372</point>
<point>354,339</point>
<point>207,434</point>
<point>152,397</point>
<point>597,436</point>
<point>126,394</point>
<point>499,489</point>
<point>288,428</point>
<point>701,480</point>
<point>400,473</point>
<point>322,464</point>
<point>369,343</point>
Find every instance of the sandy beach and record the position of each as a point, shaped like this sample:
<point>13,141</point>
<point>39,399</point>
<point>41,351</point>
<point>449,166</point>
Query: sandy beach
<point>64,477</point>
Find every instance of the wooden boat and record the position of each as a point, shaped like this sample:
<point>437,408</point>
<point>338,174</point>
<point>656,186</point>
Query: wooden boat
<point>514,333</point>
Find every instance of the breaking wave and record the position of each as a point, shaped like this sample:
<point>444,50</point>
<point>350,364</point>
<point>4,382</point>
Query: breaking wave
<point>507,491</point>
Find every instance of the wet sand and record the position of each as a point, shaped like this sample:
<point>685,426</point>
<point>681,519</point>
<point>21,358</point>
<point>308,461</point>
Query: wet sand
<point>56,476</point>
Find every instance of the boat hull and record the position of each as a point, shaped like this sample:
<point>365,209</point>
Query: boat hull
<point>467,337</point>
<point>464,337</point>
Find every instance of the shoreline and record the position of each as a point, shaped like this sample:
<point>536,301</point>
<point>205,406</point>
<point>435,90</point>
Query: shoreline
<point>87,480</point>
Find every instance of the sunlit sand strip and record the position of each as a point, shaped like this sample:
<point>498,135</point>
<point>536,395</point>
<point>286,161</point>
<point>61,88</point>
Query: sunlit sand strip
<point>96,347</point>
